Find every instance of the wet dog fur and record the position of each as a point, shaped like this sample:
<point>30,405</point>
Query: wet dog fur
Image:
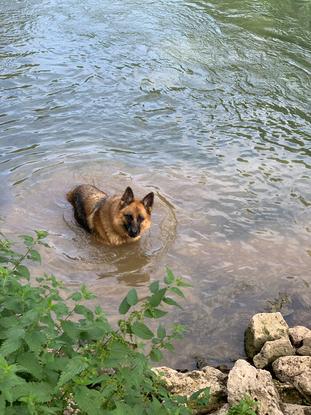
<point>114,219</point>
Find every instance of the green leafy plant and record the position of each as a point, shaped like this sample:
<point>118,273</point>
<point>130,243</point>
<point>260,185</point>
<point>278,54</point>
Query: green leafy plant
<point>55,352</point>
<point>246,406</point>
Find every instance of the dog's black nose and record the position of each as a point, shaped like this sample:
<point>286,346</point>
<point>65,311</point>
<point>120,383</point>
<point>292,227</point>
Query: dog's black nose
<point>133,233</point>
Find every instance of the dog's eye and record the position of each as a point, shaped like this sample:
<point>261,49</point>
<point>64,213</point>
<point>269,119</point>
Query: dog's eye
<point>129,218</point>
<point>140,219</point>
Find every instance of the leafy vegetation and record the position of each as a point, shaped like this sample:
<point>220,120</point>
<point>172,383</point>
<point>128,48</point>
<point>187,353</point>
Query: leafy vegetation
<point>246,406</point>
<point>55,351</point>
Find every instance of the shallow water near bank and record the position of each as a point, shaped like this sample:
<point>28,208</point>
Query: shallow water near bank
<point>204,103</point>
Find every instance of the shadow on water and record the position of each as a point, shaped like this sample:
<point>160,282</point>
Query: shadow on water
<point>205,103</point>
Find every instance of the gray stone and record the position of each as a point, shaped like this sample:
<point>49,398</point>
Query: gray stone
<point>271,350</point>
<point>297,334</point>
<point>297,371</point>
<point>187,383</point>
<point>245,380</point>
<point>305,349</point>
<point>264,327</point>
<point>290,409</point>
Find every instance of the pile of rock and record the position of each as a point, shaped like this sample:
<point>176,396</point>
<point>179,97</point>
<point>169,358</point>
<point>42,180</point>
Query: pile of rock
<point>284,388</point>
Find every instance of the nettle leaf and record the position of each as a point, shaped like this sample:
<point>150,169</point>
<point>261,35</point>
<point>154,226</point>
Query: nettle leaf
<point>75,366</point>
<point>71,329</point>
<point>34,255</point>
<point>30,362</point>
<point>156,298</point>
<point>177,291</point>
<point>88,400</point>
<point>132,297</point>
<point>154,287</point>
<point>76,296</point>
<point>154,313</point>
<point>169,278</point>
<point>39,391</point>
<point>84,311</point>
<point>35,340</point>
<point>28,240</point>
<point>141,330</point>
<point>10,346</point>
<point>23,272</point>
<point>171,301</point>
<point>124,306</point>
<point>161,332</point>
<point>156,355</point>
<point>41,234</point>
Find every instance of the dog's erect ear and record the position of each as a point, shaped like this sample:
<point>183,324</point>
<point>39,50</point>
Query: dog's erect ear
<point>127,197</point>
<point>148,201</point>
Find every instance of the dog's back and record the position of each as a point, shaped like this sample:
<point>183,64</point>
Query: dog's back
<point>84,199</point>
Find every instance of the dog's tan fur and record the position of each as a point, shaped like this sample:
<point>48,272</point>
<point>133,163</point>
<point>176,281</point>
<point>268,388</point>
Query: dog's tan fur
<point>108,217</point>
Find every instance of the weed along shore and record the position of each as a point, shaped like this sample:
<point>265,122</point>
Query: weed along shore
<point>58,356</point>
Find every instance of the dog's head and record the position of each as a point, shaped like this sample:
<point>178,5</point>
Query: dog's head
<point>134,216</point>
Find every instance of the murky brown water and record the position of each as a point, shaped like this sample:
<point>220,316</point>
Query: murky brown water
<point>205,103</point>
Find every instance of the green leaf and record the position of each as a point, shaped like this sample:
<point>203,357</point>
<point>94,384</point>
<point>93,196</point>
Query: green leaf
<point>169,278</point>
<point>170,301</point>
<point>161,332</point>
<point>131,297</point>
<point>154,313</point>
<point>156,298</point>
<point>141,330</point>
<point>124,306</point>
<point>75,366</point>
<point>39,391</point>
<point>34,255</point>
<point>182,283</point>
<point>35,340</point>
<point>156,355</point>
<point>169,346</point>
<point>154,287</point>
<point>88,400</point>
<point>28,240</point>
<point>30,362</point>
<point>41,234</point>
<point>23,272</point>
<point>177,291</point>
<point>76,296</point>
<point>84,311</point>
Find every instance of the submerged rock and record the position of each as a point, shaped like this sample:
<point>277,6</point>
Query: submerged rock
<point>264,327</point>
<point>245,380</point>
<point>271,350</point>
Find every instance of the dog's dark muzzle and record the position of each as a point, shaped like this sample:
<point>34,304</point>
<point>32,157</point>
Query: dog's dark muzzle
<point>133,230</point>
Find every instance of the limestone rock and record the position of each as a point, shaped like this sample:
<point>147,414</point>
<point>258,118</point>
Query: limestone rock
<point>223,410</point>
<point>271,350</point>
<point>264,327</point>
<point>245,380</point>
<point>187,383</point>
<point>297,334</point>
<point>297,371</point>
<point>305,349</point>
<point>290,409</point>
<point>288,393</point>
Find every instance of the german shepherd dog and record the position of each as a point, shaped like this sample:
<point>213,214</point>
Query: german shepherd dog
<point>114,219</point>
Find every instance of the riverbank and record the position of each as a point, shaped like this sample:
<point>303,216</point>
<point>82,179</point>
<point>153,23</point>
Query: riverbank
<point>277,374</point>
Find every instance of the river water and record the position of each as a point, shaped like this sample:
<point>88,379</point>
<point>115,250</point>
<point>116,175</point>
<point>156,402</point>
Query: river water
<point>206,103</point>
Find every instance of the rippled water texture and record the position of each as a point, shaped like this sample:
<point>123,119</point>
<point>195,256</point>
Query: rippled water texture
<point>205,103</point>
